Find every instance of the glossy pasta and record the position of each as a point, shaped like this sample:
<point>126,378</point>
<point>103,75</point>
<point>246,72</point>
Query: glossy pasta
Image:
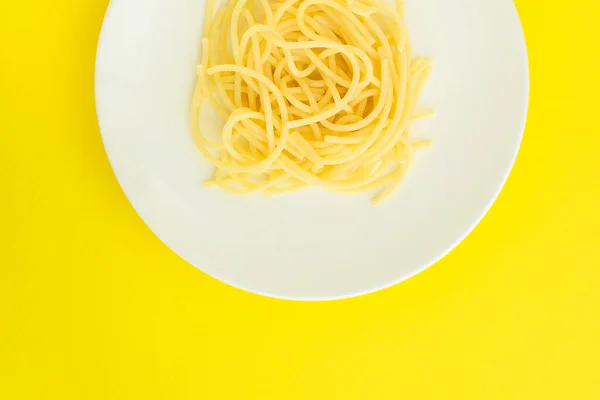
<point>312,92</point>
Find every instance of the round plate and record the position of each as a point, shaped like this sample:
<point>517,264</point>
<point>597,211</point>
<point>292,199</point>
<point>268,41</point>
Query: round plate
<point>313,245</point>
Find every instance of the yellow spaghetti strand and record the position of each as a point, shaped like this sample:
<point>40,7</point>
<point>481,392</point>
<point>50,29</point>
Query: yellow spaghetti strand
<point>313,93</point>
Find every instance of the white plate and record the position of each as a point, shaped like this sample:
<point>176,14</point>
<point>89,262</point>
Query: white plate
<point>313,245</point>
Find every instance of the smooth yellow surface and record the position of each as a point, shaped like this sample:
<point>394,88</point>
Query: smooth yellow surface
<point>93,306</point>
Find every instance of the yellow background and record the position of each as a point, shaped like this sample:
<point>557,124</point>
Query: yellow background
<point>93,306</point>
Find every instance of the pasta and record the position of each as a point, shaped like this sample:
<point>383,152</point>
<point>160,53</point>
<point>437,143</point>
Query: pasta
<point>313,93</point>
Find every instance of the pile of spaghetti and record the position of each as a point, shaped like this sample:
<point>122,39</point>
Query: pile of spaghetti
<point>312,92</point>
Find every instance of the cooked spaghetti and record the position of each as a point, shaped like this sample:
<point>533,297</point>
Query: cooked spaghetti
<point>312,92</point>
